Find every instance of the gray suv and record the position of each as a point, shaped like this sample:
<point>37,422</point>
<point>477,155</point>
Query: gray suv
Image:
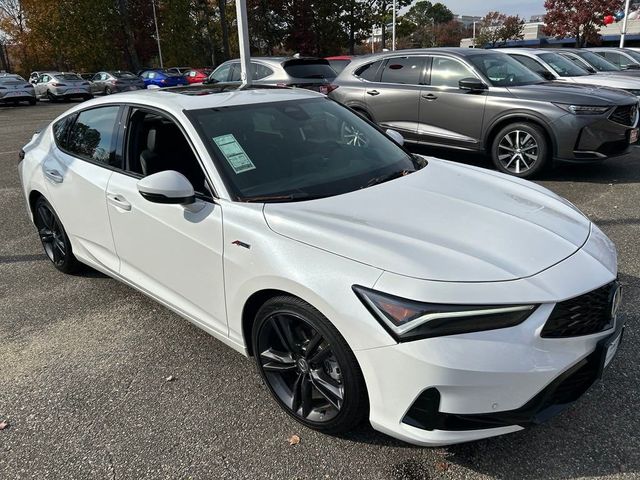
<point>480,100</point>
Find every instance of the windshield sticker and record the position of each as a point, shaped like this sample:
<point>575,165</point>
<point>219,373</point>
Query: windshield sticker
<point>234,153</point>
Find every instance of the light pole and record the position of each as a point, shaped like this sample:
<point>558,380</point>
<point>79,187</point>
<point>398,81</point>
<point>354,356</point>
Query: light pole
<point>624,23</point>
<point>393,28</point>
<point>155,21</point>
<point>474,34</point>
<point>243,42</point>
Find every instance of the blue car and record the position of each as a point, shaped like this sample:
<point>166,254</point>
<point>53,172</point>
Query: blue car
<point>162,78</point>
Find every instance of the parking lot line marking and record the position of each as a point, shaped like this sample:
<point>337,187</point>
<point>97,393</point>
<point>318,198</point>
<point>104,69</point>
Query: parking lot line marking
<point>10,153</point>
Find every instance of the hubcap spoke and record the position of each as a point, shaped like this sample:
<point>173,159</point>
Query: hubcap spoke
<point>522,148</point>
<point>332,393</point>
<point>283,330</point>
<point>273,361</point>
<point>320,356</point>
<point>306,395</point>
<point>313,344</point>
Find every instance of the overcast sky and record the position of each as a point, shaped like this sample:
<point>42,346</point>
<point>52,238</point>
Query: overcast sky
<point>524,8</point>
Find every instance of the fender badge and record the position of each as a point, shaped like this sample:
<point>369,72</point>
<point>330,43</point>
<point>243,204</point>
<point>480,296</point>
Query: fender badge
<point>241,244</point>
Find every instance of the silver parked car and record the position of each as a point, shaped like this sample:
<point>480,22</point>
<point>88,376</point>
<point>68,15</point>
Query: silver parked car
<point>305,72</point>
<point>116,81</point>
<point>62,86</point>
<point>624,58</point>
<point>14,89</point>
<point>485,101</point>
<point>595,63</point>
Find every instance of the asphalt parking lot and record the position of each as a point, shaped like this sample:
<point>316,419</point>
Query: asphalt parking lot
<point>84,362</point>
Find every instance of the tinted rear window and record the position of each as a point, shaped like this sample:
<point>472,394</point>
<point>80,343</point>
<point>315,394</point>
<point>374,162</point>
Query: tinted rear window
<point>123,75</point>
<point>406,70</point>
<point>310,69</point>
<point>67,76</point>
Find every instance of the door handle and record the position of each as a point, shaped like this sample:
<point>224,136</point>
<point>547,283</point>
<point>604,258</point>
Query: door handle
<point>119,202</point>
<point>54,175</point>
<point>430,96</point>
<point>373,92</point>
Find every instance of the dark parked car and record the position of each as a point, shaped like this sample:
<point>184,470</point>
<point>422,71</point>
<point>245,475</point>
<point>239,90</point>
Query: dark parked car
<point>480,100</point>
<point>304,72</point>
<point>621,57</point>
<point>162,78</point>
<point>116,81</point>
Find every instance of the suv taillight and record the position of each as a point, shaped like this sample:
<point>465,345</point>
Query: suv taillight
<point>327,89</point>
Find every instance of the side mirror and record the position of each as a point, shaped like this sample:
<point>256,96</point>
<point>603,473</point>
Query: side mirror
<point>547,75</point>
<point>167,187</point>
<point>472,84</point>
<point>396,136</point>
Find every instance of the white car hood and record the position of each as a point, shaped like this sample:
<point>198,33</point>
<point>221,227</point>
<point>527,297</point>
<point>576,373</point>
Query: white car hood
<point>446,222</point>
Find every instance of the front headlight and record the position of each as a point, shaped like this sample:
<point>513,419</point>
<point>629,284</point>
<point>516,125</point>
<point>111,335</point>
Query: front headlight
<point>408,320</point>
<point>582,109</point>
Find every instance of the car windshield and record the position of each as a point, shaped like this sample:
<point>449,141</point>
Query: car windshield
<point>633,54</point>
<point>504,71</point>
<point>123,75</point>
<point>297,150</point>
<point>598,62</point>
<point>67,76</point>
<point>339,65</point>
<point>562,66</point>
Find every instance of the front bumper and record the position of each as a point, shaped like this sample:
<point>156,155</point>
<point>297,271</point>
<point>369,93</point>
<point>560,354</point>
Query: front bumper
<point>489,383</point>
<point>590,139</point>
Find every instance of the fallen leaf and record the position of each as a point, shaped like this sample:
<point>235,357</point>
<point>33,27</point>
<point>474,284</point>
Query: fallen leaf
<point>170,378</point>
<point>442,466</point>
<point>4,424</point>
<point>294,440</point>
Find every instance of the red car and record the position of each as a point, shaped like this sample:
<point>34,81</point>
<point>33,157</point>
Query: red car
<point>197,75</point>
<point>339,62</point>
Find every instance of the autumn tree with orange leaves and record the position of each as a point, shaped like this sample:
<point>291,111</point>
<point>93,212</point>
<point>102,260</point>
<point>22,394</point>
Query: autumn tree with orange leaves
<point>579,19</point>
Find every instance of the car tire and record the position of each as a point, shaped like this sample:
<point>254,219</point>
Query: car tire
<point>32,101</point>
<point>54,238</point>
<point>520,149</point>
<point>108,91</point>
<point>308,366</point>
<point>52,98</point>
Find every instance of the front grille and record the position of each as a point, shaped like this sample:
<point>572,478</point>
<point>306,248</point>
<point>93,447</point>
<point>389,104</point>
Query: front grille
<point>583,315</point>
<point>625,115</point>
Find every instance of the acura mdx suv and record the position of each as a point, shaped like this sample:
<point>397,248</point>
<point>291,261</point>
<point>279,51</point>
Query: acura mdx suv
<point>486,101</point>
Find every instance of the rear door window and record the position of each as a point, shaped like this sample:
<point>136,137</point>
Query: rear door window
<point>260,71</point>
<point>405,70</point>
<point>92,135</point>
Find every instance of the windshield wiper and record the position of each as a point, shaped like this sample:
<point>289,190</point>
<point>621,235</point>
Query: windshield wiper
<point>289,197</point>
<point>389,176</point>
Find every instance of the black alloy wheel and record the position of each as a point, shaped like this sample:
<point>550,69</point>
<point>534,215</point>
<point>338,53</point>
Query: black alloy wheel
<point>52,98</point>
<point>54,238</point>
<point>108,91</point>
<point>308,366</point>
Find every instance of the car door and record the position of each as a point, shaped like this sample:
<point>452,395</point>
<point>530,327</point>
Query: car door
<point>448,114</point>
<point>41,85</point>
<point>393,100</point>
<point>171,251</point>
<point>78,171</point>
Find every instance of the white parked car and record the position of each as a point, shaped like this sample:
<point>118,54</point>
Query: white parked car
<point>62,86</point>
<point>554,66</point>
<point>443,302</point>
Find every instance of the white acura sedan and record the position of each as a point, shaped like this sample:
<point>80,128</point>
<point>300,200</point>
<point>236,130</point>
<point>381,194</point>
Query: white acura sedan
<point>443,302</point>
